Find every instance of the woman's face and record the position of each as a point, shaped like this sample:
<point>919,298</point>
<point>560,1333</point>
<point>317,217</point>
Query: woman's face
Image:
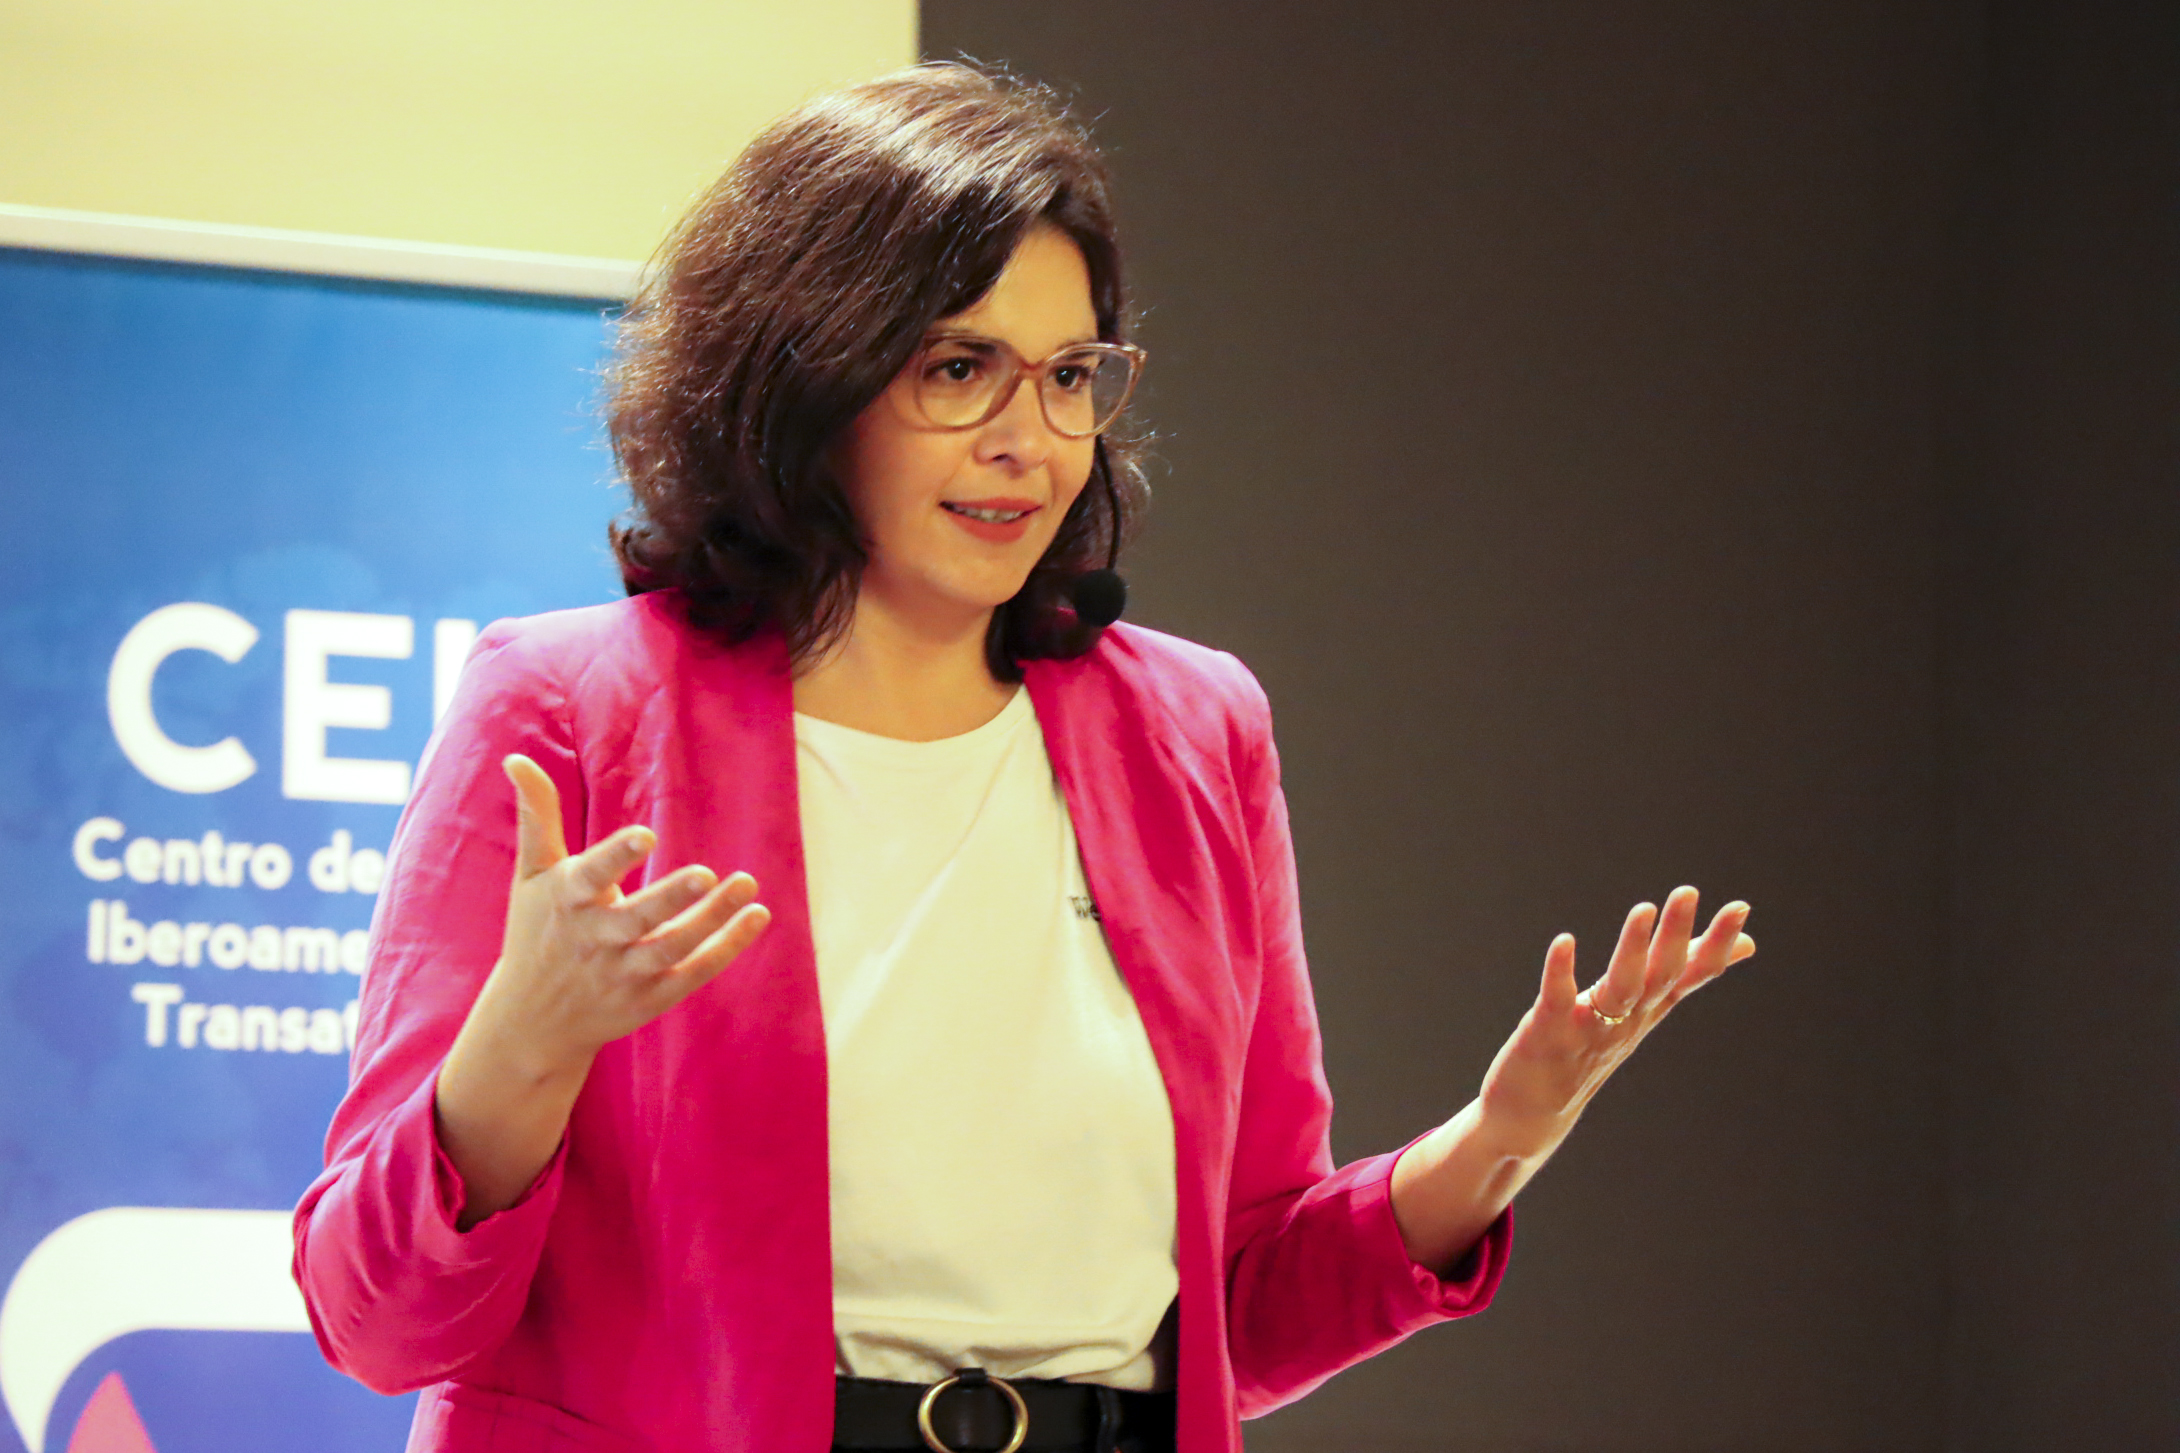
<point>914,487</point>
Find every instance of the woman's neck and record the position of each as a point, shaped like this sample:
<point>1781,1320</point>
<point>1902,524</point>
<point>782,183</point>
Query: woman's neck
<point>894,676</point>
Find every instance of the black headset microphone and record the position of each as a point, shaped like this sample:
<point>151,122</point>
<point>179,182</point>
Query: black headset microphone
<point>1099,596</point>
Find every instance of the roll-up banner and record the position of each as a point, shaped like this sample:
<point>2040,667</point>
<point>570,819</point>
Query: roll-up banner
<point>254,521</point>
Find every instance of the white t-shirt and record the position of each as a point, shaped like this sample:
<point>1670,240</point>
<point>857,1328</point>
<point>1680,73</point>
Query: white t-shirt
<point>1002,1147</point>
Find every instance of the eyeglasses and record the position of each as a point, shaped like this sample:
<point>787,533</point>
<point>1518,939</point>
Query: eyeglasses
<point>961,380</point>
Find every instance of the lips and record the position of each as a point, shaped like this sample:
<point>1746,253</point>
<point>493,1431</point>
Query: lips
<point>998,520</point>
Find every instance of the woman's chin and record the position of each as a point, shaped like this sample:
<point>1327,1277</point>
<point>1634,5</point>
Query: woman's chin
<point>963,598</point>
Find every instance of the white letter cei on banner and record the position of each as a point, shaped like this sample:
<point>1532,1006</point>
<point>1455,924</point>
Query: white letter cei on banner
<point>311,704</point>
<point>189,626</point>
<point>450,642</point>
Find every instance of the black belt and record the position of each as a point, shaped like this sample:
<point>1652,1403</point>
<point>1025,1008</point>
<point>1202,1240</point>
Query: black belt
<point>973,1412</point>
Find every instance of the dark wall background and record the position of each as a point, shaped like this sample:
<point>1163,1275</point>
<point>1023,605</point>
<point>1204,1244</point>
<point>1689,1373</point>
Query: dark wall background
<point>1723,444</point>
<point>2061,509</point>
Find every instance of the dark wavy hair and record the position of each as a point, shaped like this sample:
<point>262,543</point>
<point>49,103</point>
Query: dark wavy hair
<point>793,293</point>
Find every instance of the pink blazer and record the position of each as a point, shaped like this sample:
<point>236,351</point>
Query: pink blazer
<point>666,1283</point>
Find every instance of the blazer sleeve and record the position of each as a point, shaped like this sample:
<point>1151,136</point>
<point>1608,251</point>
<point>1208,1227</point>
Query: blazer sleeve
<point>398,1296</point>
<point>1317,1276</point>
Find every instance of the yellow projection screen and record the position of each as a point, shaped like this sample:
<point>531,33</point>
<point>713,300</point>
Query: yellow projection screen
<point>542,147</point>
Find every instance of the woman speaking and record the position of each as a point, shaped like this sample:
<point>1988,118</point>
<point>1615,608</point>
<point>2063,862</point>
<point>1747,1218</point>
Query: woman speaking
<point>849,993</point>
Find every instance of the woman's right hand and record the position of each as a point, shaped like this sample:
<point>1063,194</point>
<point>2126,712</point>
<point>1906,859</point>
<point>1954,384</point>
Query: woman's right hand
<point>580,965</point>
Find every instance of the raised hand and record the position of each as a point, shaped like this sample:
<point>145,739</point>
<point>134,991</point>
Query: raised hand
<point>581,964</point>
<point>1452,1184</point>
<point>1570,1042</point>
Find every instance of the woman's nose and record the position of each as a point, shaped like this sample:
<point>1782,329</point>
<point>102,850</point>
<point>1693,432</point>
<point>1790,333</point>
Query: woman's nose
<point>1019,431</point>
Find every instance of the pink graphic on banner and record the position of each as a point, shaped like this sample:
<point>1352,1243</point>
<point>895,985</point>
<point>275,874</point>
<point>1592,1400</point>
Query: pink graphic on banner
<point>109,1423</point>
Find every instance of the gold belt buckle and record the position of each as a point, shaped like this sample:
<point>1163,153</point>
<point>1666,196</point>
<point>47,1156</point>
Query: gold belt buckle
<point>971,1377</point>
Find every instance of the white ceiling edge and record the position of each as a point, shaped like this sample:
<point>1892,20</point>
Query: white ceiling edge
<point>55,229</point>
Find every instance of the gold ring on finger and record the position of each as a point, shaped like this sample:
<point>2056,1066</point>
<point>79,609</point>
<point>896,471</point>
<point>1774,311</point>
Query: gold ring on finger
<point>1610,1019</point>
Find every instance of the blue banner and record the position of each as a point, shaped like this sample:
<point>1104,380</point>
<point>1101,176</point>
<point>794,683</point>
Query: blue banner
<point>254,522</point>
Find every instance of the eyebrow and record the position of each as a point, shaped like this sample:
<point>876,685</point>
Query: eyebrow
<point>963,335</point>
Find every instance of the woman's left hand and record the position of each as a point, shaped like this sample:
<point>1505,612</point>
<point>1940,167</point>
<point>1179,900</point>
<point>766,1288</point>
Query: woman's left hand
<point>1452,1184</point>
<point>1570,1041</point>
